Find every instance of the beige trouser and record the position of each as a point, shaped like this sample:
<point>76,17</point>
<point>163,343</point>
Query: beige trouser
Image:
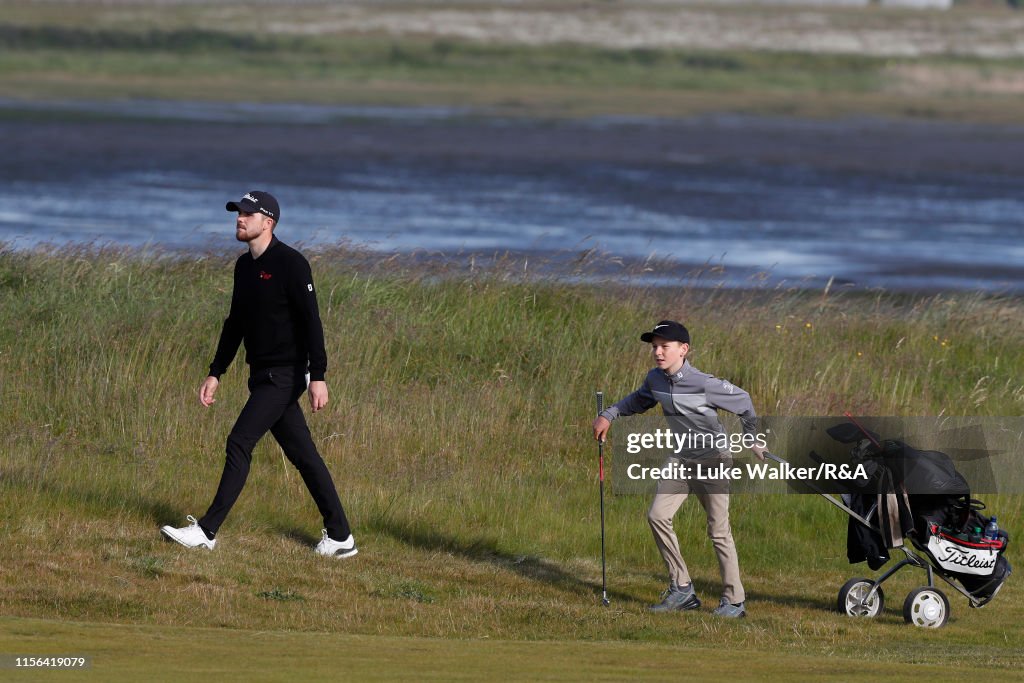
<point>667,501</point>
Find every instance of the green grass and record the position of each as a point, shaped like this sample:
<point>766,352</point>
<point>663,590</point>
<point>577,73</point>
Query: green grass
<point>173,56</point>
<point>132,653</point>
<point>458,435</point>
<point>187,53</point>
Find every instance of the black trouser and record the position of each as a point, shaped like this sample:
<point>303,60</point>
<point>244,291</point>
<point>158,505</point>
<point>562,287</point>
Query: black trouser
<point>274,405</point>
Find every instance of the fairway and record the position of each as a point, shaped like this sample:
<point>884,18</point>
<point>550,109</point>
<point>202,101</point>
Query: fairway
<point>133,653</point>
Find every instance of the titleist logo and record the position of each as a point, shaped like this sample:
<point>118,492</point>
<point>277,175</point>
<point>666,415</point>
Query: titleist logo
<point>965,558</point>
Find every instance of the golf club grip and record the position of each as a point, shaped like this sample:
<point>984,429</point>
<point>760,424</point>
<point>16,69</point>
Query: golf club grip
<point>600,402</point>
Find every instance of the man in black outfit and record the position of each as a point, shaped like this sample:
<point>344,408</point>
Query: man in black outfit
<point>274,311</point>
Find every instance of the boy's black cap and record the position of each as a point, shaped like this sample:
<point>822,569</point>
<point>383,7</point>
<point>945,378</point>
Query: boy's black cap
<point>667,329</point>
<point>257,201</point>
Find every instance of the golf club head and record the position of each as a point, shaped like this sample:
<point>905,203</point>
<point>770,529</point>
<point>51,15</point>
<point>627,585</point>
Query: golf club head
<point>605,601</point>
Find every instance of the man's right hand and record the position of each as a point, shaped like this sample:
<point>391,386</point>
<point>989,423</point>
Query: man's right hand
<point>601,427</point>
<point>207,391</point>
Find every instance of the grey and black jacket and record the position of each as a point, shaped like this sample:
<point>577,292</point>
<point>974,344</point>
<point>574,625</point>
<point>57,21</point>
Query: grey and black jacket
<point>690,400</point>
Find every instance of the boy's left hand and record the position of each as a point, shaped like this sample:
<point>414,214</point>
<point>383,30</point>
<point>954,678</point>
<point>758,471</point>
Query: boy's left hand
<point>759,451</point>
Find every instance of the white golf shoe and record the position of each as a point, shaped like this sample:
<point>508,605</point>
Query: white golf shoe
<point>328,547</point>
<point>191,536</point>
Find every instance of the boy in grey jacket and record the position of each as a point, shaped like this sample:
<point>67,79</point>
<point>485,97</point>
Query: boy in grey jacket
<point>690,399</point>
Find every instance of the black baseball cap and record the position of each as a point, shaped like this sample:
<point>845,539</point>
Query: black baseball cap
<point>667,329</point>
<point>257,201</point>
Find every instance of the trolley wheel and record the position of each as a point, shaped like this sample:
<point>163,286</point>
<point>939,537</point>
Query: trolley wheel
<point>851,599</point>
<point>926,607</point>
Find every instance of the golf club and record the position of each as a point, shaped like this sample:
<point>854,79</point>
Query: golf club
<point>600,470</point>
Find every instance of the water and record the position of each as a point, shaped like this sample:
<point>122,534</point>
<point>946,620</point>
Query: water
<point>871,204</point>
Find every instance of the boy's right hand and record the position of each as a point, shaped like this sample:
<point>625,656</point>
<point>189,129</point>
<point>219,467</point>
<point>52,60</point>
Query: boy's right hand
<point>601,427</point>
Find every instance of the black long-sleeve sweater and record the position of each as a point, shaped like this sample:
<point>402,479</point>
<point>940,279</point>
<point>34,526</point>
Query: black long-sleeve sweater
<point>274,310</point>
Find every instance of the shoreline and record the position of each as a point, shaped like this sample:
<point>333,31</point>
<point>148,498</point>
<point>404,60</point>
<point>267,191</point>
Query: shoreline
<point>319,152</point>
<point>853,143</point>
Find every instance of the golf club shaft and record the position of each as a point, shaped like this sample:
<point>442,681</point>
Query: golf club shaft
<point>600,460</point>
<point>863,431</point>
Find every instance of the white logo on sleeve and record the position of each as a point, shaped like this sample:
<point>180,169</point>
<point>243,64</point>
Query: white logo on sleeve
<point>310,286</point>
<point>728,387</point>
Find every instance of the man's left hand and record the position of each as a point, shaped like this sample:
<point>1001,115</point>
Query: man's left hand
<point>317,394</point>
<point>759,451</point>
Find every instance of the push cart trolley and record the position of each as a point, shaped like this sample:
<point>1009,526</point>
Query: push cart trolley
<point>970,564</point>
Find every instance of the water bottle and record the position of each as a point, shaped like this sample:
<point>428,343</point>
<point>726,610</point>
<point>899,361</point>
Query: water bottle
<point>992,529</point>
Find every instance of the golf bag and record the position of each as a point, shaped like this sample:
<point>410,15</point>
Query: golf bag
<point>921,496</point>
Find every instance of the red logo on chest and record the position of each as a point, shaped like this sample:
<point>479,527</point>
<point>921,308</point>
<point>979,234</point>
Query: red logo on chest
<point>264,275</point>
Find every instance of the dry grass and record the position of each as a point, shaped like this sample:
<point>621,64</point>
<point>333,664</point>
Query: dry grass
<point>989,31</point>
<point>460,448</point>
<point>538,59</point>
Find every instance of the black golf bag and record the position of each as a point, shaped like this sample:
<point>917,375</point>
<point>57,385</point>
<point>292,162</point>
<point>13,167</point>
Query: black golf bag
<point>921,496</point>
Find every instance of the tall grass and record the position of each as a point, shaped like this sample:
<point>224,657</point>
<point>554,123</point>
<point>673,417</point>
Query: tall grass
<point>458,434</point>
